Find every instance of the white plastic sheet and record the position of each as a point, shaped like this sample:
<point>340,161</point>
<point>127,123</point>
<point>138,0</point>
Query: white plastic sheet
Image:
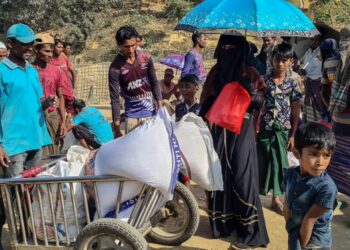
<point>76,157</point>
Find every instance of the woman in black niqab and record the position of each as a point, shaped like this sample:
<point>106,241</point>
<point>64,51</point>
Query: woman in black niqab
<point>237,210</point>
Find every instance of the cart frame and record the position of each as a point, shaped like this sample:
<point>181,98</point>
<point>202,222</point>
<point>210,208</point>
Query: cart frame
<point>17,200</point>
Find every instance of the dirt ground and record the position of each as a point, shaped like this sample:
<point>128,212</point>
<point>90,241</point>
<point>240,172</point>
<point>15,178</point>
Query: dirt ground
<point>275,227</point>
<point>274,222</point>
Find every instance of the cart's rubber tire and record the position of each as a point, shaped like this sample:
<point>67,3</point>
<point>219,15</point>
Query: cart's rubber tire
<point>160,236</point>
<point>113,228</point>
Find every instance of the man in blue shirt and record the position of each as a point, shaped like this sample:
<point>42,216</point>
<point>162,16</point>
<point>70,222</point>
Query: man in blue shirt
<point>89,126</point>
<point>23,130</point>
<point>194,64</point>
<point>310,191</point>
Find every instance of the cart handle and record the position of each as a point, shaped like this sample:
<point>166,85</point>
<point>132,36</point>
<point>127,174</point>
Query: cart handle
<point>66,179</point>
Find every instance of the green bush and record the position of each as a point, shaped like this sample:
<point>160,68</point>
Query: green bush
<point>177,9</point>
<point>333,12</point>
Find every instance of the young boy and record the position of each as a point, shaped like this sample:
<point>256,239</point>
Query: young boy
<point>89,126</point>
<point>167,86</point>
<point>310,191</point>
<point>276,132</point>
<point>188,89</point>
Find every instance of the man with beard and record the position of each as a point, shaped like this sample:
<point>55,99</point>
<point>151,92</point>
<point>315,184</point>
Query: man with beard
<point>23,131</point>
<point>269,44</point>
<point>194,64</point>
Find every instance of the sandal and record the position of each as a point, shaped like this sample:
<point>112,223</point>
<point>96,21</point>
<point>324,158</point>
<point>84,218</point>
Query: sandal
<point>239,246</point>
<point>278,208</point>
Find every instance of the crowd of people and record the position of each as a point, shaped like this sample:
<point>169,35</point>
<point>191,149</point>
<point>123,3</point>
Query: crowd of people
<point>255,161</point>
<point>37,102</point>
<point>293,104</point>
<point>285,93</point>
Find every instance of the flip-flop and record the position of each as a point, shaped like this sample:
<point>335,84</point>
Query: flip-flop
<point>239,246</point>
<point>278,208</point>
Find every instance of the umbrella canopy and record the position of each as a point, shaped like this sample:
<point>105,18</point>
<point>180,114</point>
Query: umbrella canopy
<point>173,61</point>
<point>249,17</point>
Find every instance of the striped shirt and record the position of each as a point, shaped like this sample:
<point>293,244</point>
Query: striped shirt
<point>329,69</point>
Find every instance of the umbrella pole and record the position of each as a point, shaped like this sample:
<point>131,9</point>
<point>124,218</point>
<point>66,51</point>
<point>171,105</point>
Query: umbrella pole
<point>244,55</point>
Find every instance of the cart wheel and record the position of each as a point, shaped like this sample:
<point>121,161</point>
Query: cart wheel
<point>180,219</point>
<point>106,234</point>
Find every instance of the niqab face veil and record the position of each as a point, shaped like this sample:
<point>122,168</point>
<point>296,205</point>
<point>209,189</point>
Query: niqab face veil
<point>231,54</point>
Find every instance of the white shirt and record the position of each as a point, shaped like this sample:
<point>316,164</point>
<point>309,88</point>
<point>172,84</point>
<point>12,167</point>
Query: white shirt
<point>313,64</point>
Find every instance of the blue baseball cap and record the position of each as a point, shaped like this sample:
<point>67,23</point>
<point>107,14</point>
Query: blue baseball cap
<point>21,32</point>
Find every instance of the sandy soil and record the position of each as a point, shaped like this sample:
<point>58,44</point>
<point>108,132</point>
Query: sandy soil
<point>274,222</point>
<point>275,226</point>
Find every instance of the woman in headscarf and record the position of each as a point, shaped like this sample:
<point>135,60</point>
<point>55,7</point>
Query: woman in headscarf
<point>339,168</point>
<point>237,209</point>
<point>330,60</point>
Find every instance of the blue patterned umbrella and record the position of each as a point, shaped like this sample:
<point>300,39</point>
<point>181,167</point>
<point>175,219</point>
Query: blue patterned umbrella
<point>249,17</point>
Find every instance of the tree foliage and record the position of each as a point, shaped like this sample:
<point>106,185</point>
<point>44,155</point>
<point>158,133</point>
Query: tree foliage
<point>333,12</point>
<point>77,16</point>
<point>176,9</point>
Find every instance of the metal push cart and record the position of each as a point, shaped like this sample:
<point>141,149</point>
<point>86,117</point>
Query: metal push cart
<point>171,223</point>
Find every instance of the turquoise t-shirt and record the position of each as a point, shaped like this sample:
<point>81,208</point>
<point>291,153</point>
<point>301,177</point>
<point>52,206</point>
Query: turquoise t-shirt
<point>92,119</point>
<point>22,122</point>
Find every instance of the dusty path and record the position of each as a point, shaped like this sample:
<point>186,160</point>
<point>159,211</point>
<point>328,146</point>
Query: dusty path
<point>275,226</point>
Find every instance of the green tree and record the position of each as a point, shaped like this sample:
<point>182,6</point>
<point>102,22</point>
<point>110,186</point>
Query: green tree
<point>333,12</point>
<point>77,17</point>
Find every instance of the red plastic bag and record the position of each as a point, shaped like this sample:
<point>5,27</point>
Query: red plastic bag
<point>230,107</point>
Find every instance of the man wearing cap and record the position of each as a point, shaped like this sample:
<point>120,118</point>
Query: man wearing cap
<point>3,51</point>
<point>23,131</point>
<point>51,82</point>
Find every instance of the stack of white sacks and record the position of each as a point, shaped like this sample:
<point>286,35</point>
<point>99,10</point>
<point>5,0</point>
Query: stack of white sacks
<point>151,154</point>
